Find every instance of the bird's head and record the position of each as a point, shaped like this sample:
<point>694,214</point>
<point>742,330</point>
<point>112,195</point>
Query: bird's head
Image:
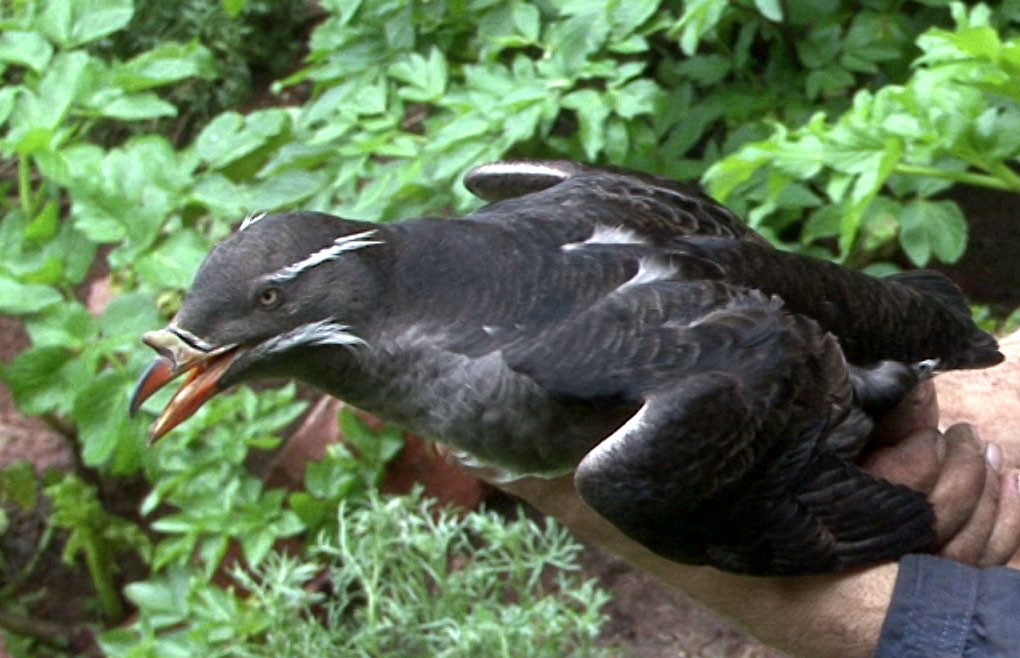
<point>280,284</point>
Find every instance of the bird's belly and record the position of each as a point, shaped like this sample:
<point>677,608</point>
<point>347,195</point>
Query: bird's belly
<point>488,413</point>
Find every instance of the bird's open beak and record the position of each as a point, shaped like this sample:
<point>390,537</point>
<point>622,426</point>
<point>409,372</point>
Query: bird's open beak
<point>205,368</point>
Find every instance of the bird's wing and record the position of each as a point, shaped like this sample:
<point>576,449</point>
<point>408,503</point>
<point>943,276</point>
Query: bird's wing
<point>725,462</point>
<point>574,203</point>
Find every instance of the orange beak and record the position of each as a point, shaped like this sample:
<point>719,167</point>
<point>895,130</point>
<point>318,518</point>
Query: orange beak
<point>204,369</point>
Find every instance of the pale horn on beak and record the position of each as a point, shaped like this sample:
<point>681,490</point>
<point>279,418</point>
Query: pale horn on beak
<point>177,356</point>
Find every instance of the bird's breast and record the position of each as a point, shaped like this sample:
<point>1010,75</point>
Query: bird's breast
<point>479,406</point>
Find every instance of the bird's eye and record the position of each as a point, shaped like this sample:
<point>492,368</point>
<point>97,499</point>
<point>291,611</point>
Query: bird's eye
<point>269,297</point>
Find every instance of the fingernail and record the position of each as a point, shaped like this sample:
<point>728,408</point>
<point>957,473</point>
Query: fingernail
<point>993,453</point>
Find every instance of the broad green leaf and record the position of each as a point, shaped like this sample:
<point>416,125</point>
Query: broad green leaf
<point>174,262</point>
<point>45,224</point>
<point>527,19</point>
<point>38,113</point>
<point>636,97</point>
<point>930,228</point>
<point>108,436</point>
<point>165,64</point>
<point>25,48</point>
<point>231,135</point>
<point>167,594</point>
<point>136,107</point>
<point>221,196</point>
<point>626,16</point>
<point>770,9</point>
<point>286,189</point>
<point>130,314</point>
<point>67,325</point>
<point>699,18</point>
<point>592,112</point>
<point>45,379</point>
<point>18,298</point>
<point>94,19</point>
<point>8,96</point>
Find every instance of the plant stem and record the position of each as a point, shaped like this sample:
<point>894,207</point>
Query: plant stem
<point>102,579</point>
<point>1004,172</point>
<point>966,177</point>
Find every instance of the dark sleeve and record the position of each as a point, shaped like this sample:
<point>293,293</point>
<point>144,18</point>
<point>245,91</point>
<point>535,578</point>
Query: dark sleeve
<point>944,609</point>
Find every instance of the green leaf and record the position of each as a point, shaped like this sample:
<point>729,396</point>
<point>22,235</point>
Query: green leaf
<point>67,325</point>
<point>636,97</point>
<point>770,9</point>
<point>231,135</point>
<point>45,224</point>
<point>174,262</point>
<point>592,111</point>
<point>234,7</point>
<point>38,113</point>
<point>137,107</point>
<point>108,436</point>
<point>44,379</point>
<point>130,314</point>
<point>19,484</point>
<point>167,594</point>
<point>626,16</point>
<point>25,48</point>
<point>18,298</point>
<point>699,18</point>
<point>930,228</point>
<point>527,19</point>
<point>76,22</point>
<point>167,63</point>
<point>286,189</point>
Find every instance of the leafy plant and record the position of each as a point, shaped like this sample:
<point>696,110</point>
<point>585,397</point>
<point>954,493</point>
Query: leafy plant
<point>98,535</point>
<point>873,174</point>
<point>401,578</point>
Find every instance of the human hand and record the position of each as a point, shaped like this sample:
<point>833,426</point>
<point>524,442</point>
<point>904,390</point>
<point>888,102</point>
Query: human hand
<point>976,498</point>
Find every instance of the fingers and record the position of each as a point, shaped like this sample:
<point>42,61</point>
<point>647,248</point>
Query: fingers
<point>972,540</point>
<point>1003,545</point>
<point>961,483</point>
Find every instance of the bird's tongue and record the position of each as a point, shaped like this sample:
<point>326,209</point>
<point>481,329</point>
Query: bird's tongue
<point>201,384</point>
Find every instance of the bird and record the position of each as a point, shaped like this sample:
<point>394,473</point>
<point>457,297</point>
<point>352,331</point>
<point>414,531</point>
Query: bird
<point>707,391</point>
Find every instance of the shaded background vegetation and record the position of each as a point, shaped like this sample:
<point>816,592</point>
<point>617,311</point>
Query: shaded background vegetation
<point>134,135</point>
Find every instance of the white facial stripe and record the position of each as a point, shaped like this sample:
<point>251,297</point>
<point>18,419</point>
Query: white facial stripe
<point>250,219</point>
<point>340,245</point>
<point>521,169</point>
<point>322,332</point>
<point>608,235</point>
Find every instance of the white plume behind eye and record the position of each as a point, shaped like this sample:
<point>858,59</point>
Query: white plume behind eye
<point>339,246</point>
<point>322,332</point>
